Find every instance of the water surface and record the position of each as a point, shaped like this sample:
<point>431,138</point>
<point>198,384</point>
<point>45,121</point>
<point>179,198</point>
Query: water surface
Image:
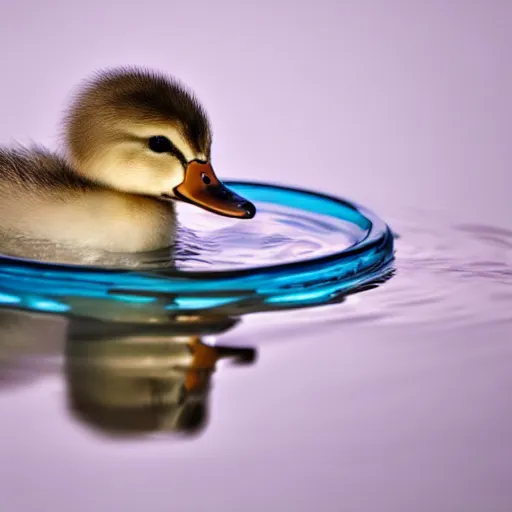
<point>375,384</point>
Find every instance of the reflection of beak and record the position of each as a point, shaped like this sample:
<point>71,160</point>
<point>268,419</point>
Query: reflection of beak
<point>202,188</point>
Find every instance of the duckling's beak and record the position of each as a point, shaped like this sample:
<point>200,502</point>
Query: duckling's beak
<point>202,188</point>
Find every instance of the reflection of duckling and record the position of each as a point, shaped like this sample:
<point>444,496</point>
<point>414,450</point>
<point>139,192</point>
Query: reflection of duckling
<point>121,378</point>
<point>139,384</point>
<point>135,142</point>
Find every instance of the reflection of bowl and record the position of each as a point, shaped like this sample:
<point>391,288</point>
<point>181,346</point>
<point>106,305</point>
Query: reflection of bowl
<point>158,294</point>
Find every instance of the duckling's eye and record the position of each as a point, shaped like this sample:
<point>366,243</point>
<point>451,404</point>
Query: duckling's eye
<point>160,144</point>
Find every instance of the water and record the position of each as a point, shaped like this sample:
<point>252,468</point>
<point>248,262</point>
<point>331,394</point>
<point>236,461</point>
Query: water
<point>222,399</point>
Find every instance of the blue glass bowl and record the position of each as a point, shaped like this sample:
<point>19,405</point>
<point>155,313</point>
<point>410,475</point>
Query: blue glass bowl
<point>157,295</point>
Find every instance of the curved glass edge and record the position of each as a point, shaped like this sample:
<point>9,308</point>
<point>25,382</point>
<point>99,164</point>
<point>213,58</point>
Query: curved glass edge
<point>93,291</point>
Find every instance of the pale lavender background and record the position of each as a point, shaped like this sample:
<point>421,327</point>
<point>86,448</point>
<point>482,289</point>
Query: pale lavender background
<point>389,103</point>
<point>367,99</point>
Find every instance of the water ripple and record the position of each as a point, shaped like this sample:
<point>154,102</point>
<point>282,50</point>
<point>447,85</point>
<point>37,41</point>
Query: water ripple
<point>275,235</point>
<point>445,275</point>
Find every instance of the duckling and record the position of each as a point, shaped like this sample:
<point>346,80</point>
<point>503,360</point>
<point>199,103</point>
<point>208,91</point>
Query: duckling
<point>135,141</point>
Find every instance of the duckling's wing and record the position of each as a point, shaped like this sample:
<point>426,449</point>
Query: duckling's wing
<point>25,172</point>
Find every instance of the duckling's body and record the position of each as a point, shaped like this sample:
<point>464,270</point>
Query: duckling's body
<point>43,199</point>
<point>135,142</point>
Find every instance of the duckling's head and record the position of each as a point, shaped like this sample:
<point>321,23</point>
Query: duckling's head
<point>141,132</point>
